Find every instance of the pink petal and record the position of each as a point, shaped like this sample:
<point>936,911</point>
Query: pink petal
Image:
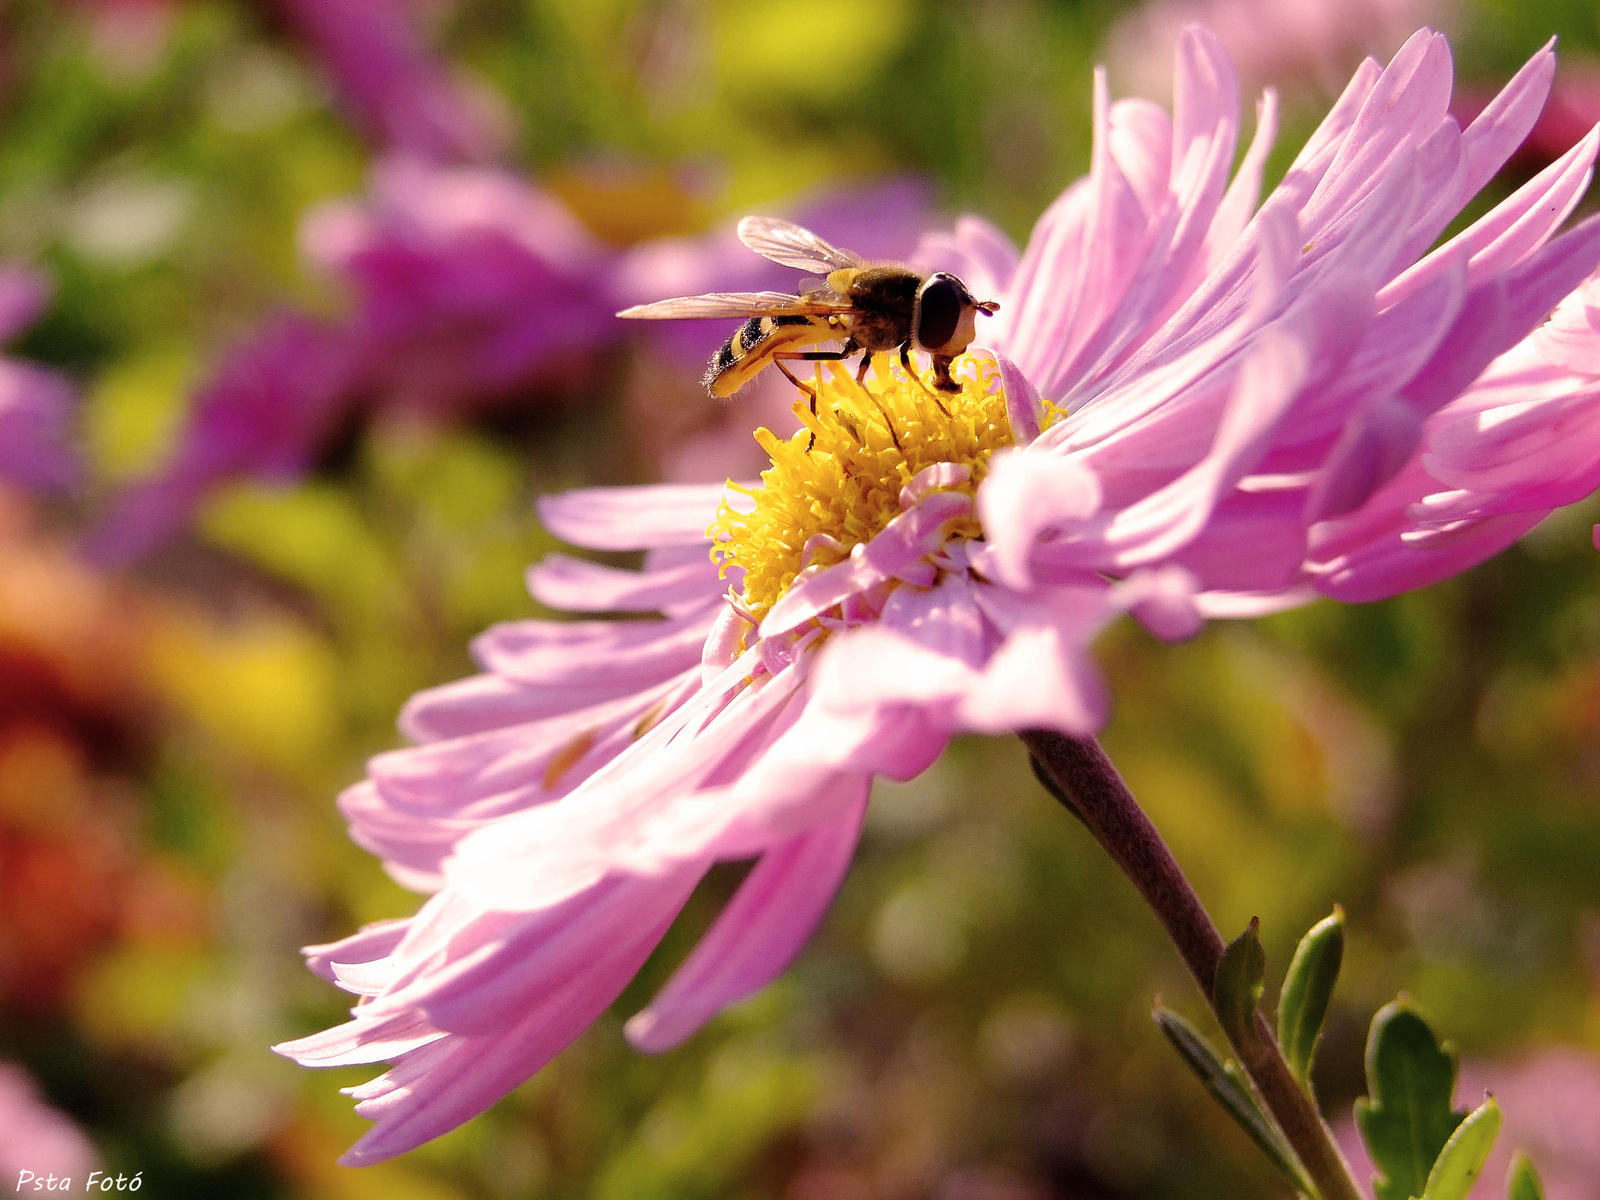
<point>1493,137</point>
<point>542,855</point>
<point>1041,676</point>
<point>632,518</point>
<point>759,932</point>
<point>361,1043</point>
<point>910,536</point>
<point>1268,381</point>
<point>1163,600</point>
<point>366,944</point>
<point>1371,452</point>
<point>1025,495</point>
<point>487,988</point>
<point>579,586</point>
<point>592,655</point>
<point>462,1076</point>
<point>1239,203</point>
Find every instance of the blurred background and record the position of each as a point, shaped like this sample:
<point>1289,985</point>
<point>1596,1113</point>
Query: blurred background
<point>307,300</point>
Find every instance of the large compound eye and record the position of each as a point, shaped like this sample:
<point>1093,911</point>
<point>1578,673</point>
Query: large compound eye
<point>939,305</point>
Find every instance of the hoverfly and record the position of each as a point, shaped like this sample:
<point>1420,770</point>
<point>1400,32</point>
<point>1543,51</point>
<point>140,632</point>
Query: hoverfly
<point>868,307</point>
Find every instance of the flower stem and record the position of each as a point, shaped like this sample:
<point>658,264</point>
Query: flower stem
<point>1080,770</point>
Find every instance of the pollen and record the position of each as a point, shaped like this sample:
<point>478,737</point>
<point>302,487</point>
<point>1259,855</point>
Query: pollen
<point>840,476</point>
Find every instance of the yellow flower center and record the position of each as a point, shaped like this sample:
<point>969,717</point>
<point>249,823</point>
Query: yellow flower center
<point>840,476</point>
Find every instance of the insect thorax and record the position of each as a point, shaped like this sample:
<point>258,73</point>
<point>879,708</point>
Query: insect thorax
<point>882,300</point>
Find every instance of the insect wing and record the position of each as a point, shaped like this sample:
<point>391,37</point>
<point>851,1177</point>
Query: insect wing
<point>793,246</point>
<point>738,304</point>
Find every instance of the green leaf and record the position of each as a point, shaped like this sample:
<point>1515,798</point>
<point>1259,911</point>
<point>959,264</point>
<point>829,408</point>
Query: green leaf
<point>1407,1118</point>
<point>1237,990</point>
<point>1523,1181</point>
<point>1228,1087</point>
<point>1463,1156</point>
<point>1303,1003</point>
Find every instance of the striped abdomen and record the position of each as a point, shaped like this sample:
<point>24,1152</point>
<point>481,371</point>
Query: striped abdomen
<point>751,348</point>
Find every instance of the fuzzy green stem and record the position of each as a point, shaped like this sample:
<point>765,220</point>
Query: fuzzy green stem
<point>1080,770</point>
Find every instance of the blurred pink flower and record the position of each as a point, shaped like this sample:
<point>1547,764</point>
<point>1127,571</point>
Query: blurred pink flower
<point>407,100</point>
<point>270,406</point>
<point>35,403</point>
<point>37,1138</point>
<point>1551,1103</point>
<point>469,282</point>
<point>1290,44</point>
<point>474,289</point>
<point>916,570</point>
<point>472,283</point>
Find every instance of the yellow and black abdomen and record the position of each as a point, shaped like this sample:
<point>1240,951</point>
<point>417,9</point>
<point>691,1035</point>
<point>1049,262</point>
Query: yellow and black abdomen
<point>751,348</point>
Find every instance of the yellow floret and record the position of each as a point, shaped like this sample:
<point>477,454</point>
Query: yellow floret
<point>869,441</point>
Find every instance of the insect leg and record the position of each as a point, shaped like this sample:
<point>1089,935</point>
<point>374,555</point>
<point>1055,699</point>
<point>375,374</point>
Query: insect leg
<point>888,423</point>
<point>905,361</point>
<point>817,355</point>
<point>777,361</point>
<point>779,356</point>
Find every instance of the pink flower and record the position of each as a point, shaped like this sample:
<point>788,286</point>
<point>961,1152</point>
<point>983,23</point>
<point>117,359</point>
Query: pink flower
<point>1551,1102</point>
<point>35,403</point>
<point>406,99</point>
<point>469,282</point>
<point>915,565</point>
<point>128,37</point>
<point>474,289</point>
<point>37,1138</point>
<point>474,284</point>
<point>564,804</point>
<point>270,405</point>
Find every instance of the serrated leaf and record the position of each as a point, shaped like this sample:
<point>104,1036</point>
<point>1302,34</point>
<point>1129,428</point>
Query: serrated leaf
<point>1522,1183</point>
<point>1228,1087</point>
<point>1461,1161</point>
<point>1307,989</point>
<point>1407,1118</point>
<point>1237,990</point>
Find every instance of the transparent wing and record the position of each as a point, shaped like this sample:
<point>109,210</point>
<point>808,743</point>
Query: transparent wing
<point>738,304</point>
<point>787,243</point>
